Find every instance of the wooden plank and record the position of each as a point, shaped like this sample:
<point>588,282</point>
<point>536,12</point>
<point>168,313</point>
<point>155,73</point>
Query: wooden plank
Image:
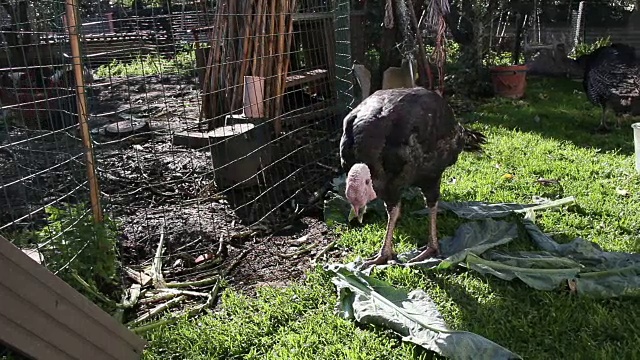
<point>22,312</point>
<point>53,311</point>
<point>312,16</point>
<point>306,77</point>
<point>17,337</point>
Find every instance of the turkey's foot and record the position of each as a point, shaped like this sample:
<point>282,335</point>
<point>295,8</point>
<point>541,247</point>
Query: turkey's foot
<point>429,252</point>
<point>383,258</point>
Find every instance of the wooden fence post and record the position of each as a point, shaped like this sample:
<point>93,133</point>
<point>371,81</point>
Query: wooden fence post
<point>74,41</point>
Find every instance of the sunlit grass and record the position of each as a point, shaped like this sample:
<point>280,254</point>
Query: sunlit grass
<point>548,135</point>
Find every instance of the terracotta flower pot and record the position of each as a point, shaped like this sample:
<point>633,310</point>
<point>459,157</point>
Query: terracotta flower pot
<point>509,81</point>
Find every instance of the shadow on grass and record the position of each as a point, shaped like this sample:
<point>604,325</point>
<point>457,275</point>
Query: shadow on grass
<point>558,109</point>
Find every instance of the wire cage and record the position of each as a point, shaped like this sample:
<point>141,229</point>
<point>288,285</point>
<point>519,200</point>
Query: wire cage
<point>205,123</point>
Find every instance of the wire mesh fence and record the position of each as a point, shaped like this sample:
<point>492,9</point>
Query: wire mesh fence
<point>208,122</point>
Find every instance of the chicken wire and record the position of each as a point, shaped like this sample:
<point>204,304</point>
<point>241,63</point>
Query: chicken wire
<point>179,157</point>
<point>42,158</point>
<point>253,171</point>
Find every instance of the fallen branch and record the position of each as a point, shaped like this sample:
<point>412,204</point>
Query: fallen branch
<point>299,241</point>
<point>129,300</point>
<point>211,298</point>
<point>196,283</point>
<point>299,252</point>
<point>156,310</point>
<point>168,293</point>
<point>235,262</point>
<point>183,292</point>
<point>325,250</point>
<point>139,277</point>
<point>158,298</point>
<point>156,268</point>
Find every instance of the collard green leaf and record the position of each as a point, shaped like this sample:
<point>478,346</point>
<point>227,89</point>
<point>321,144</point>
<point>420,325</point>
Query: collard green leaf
<point>538,278</point>
<point>412,315</point>
<point>603,274</point>
<point>470,238</point>
<point>475,210</point>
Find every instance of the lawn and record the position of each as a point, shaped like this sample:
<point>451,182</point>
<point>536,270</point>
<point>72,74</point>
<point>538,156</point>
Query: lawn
<point>548,135</point>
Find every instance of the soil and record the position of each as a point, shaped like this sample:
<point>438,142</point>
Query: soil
<point>155,189</point>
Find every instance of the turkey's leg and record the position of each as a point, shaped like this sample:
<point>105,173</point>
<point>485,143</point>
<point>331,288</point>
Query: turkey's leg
<point>386,253</point>
<point>433,249</point>
<point>603,122</point>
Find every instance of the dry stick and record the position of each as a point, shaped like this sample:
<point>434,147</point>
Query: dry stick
<point>216,54</point>
<point>232,55</point>
<point>247,45</point>
<point>263,43</point>
<point>325,250</point>
<point>156,268</point>
<point>162,297</point>
<point>224,65</point>
<point>269,93</point>
<point>236,261</point>
<point>304,250</point>
<point>213,295</point>
<point>156,310</point>
<point>197,283</point>
<point>211,298</point>
<point>183,292</point>
<point>206,86</point>
<point>210,280</point>
<point>287,56</point>
<point>216,47</point>
<point>205,112</point>
<point>257,38</point>
<point>237,93</point>
<point>277,125</point>
<point>139,277</point>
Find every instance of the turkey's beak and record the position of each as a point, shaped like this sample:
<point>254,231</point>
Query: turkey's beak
<point>357,213</point>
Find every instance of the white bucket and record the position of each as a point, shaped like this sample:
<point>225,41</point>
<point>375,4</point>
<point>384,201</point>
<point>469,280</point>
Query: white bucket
<point>636,143</point>
<point>252,100</point>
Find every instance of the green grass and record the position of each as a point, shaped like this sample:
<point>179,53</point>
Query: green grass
<point>298,323</point>
<point>182,63</point>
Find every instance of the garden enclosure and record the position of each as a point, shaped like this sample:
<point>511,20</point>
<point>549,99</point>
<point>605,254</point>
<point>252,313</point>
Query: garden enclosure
<point>168,144</point>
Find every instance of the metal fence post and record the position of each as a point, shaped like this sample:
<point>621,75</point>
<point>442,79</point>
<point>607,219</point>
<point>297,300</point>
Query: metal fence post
<point>74,41</point>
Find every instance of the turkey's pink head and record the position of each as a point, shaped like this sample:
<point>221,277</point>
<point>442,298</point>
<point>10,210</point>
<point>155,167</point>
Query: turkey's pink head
<point>359,190</point>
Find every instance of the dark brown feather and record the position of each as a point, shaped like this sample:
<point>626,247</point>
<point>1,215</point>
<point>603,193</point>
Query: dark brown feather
<point>406,137</point>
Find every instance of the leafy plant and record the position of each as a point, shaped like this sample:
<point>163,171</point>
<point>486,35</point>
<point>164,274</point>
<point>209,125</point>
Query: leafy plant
<point>587,48</point>
<point>182,63</point>
<point>500,59</point>
<point>81,252</point>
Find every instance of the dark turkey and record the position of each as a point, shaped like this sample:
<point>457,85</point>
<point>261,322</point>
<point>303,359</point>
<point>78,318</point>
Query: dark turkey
<point>398,138</point>
<point>611,77</point>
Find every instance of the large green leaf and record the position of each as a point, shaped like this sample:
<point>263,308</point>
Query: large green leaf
<point>470,238</point>
<point>602,274</point>
<point>412,315</point>
<point>474,210</point>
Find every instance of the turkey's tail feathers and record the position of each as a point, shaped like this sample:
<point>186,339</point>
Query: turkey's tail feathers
<point>473,140</point>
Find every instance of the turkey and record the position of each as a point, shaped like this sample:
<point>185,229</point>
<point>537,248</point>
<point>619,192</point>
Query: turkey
<point>398,138</point>
<point>611,74</point>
